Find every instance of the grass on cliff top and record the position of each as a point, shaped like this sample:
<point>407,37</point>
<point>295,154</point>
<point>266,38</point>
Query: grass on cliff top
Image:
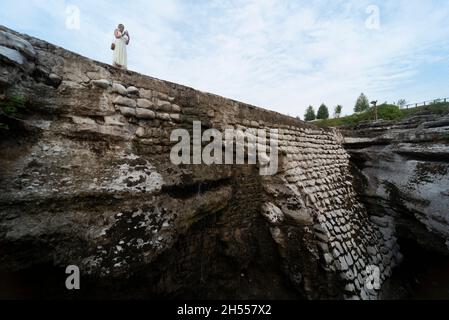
<point>385,112</point>
<point>10,107</point>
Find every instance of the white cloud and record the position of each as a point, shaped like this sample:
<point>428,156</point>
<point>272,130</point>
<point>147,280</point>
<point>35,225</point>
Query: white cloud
<point>283,55</point>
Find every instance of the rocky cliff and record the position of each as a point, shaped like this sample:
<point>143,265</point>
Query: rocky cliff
<point>86,180</point>
<point>402,173</point>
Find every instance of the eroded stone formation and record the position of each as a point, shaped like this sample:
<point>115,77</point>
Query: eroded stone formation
<point>87,180</point>
<point>403,175</point>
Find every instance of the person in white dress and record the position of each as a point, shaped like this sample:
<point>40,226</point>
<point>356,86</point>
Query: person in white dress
<point>121,40</point>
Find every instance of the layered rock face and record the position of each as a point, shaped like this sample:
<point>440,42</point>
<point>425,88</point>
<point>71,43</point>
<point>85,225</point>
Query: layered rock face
<point>402,173</point>
<point>87,180</point>
<point>405,173</point>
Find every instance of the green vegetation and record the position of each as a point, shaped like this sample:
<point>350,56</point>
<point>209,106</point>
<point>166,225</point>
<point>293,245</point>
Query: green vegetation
<point>323,112</point>
<point>401,103</point>
<point>310,114</point>
<point>11,107</point>
<point>338,110</point>
<point>385,112</point>
<point>362,103</point>
<point>389,112</point>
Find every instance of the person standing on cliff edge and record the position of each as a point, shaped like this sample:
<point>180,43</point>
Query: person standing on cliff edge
<point>121,40</point>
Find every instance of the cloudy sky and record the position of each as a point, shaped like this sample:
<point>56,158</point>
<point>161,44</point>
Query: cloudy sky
<point>279,54</point>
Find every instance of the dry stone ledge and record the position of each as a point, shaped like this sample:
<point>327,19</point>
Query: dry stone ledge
<point>13,56</point>
<point>82,120</point>
<point>9,40</point>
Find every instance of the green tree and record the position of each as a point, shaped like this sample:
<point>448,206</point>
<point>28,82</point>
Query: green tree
<point>310,114</point>
<point>338,110</point>
<point>362,103</point>
<point>401,103</point>
<point>323,112</point>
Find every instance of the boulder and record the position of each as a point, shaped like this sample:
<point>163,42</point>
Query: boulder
<point>128,112</point>
<point>122,101</point>
<point>102,83</point>
<point>132,90</point>
<point>120,89</point>
<point>175,108</point>
<point>145,113</point>
<point>144,103</point>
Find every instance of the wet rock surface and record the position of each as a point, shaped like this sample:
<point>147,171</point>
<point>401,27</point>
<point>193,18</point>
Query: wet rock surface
<point>402,170</point>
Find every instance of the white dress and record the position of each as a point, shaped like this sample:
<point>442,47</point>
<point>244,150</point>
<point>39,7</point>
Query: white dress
<point>120,56</point>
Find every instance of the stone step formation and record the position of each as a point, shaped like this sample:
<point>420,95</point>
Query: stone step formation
<point>87,181</point>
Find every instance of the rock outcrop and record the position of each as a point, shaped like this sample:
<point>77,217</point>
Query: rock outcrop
<point>404,171</point>
<point>87,180</point>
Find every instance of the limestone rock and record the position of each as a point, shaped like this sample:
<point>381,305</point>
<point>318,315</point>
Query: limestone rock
<point>132,90</point>
<point>407,172</point>
<point>162,104</point>
<point>145,113</point>
<point>146,94</point>
<point>175,117</point>
<point>89,179</point>
<point>15,42</point>
<point>144,103</point>
<point>115,120</point>
<point>128,112</point>
<point>82,120</point>
<point>140,132</point>
<point>272,213</point>
<point>54,80</point>
<point>122,101</point>
<point>328,258</point>
<point>102,83</point>
<point>350,288</point>
<point>120,89</point>
<point>14,57</point>
<point>163,116</point>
